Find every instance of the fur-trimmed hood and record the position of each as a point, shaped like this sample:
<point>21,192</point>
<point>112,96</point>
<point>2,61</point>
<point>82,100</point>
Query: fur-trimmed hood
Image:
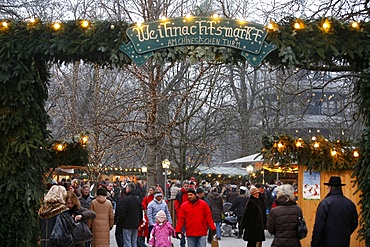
<point>49,210</point>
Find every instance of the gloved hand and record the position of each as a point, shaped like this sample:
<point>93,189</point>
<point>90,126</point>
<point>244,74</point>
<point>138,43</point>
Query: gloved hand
<point>179,235</point>
<point>213,232</point>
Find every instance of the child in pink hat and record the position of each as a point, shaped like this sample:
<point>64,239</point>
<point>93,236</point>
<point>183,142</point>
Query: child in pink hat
<point>162,231</point>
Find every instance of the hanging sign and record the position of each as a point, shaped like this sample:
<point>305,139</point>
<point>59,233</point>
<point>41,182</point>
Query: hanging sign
<point>247,37</point>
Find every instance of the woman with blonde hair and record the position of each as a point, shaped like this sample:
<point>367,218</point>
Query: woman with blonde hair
<point>283,220</point>
<point>53,209</point>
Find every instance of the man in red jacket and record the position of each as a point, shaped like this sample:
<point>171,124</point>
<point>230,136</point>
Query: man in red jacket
<point>196,216</point>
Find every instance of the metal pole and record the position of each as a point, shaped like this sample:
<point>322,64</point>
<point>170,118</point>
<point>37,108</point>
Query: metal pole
<point>165,183</point>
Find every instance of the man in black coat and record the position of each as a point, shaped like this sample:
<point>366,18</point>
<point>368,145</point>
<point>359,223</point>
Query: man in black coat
<point>129,214</point>
<point>336,218</point>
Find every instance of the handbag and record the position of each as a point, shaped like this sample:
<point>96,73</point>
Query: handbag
<point>61,233</point>
<point>81,233</point>
<point>214,242</point>
<point>302,227</point>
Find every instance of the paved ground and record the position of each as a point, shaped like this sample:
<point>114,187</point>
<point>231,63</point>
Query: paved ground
<point>224,242</point>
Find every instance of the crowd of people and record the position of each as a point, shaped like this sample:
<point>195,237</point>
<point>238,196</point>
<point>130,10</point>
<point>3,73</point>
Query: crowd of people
<point>145,219</point>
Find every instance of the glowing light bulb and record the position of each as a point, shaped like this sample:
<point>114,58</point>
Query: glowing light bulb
<point>326,25</point>
<point>84,140</point>
<point>85,24</point>
<point>138,24</point>
<point>298,144</point>
<point>4,24</point>
<point>356,154</point>
<point>163,18</point>
<point>355,24</point>
<point>333,153</point>
<point>297,25</point>
<point>316,145</point>
<point>241,19</point>
<point>216,15</point>
<point>280,145</point>
<point>57,25</point>
<point>188,15</point>
<point>270,26</point>
<point>59,147</point>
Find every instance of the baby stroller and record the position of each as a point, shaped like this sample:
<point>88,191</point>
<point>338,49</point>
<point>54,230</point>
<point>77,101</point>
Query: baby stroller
<point>229,222</point>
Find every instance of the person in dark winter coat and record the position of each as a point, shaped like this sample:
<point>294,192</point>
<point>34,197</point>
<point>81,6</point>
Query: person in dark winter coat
<point>239,208</point>
<point>252,222</point>
<point>85,198</point>
<point>336,218</point>
<point>52,207</point>
<point>261,200</point>
<point>78,213</point>
<point>129,215</point>
<point>216,204</point>
<point>283,220</point>
<point>232,195</point>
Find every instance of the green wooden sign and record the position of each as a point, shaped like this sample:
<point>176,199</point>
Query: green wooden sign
<point>249,38</point>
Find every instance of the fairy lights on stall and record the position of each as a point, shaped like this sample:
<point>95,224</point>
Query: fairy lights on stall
<point>317,153</point>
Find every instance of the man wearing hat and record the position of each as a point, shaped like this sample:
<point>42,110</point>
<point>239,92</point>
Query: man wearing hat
<point>336,218</point>
<point>196,216</point>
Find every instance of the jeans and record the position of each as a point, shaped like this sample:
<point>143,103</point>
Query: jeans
<point>141,241</point>
<point>240,232</point>
<point>150,228</point>
<point>129,237</point>
<point>182,240</point>
<point>218,229</point>
<point>197,241</point>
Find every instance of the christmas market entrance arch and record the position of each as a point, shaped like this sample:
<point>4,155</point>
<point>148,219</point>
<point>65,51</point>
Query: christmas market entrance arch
<point>28,47</point>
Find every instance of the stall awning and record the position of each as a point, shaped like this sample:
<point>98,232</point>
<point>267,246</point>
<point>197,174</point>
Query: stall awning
<point>222,170</point>
<point>247,159</point>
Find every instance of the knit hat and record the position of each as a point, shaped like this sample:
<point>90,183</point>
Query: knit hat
<point>191,191</point>
<point>199,190</point>
<point>158,194</point>
<point>161,216</point>
<point>253,190</point>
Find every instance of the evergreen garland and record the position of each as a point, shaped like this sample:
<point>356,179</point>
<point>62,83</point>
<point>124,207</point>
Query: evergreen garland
<point>26,49</point>
<point>22,160</point>
<point>318,154</point>
<point>362,168</point>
